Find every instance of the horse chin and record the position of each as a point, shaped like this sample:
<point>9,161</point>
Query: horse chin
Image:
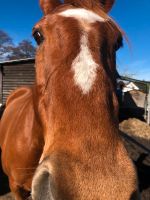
<point>42,184</point>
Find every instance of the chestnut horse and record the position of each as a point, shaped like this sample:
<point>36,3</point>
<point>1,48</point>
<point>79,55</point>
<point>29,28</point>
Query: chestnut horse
<point>60,138</point>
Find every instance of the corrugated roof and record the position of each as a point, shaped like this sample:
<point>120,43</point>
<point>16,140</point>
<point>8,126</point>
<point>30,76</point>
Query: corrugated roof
<point>19,61</point>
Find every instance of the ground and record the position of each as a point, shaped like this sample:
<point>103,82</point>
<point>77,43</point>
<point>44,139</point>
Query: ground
<point>139,132</point>
<point>7,197</point>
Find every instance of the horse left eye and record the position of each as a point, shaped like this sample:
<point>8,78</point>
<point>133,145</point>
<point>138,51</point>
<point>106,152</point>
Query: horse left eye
<point>38,37</point>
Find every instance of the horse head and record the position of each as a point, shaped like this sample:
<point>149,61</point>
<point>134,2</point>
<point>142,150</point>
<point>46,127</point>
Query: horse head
<point>75,80</point>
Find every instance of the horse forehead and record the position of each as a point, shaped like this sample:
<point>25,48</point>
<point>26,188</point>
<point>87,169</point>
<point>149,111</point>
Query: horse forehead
<point>82,14</point>
<point>84,65</point>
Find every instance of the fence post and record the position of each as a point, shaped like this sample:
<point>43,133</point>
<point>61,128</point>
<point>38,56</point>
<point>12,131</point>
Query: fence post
<point>148,105</point>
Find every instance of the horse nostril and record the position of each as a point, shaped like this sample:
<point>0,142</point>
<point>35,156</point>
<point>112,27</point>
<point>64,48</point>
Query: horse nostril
<point>41,185</point>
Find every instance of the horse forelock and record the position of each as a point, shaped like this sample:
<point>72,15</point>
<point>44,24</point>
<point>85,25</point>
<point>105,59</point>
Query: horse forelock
<point>82,14</point>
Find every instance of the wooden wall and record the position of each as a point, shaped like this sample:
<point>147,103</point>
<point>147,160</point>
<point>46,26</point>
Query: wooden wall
<point>1,83</point>
<point>14,75</point>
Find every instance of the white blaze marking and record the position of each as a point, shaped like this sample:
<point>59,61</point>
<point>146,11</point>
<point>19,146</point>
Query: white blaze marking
<point>84,66</point>
<point>83,14</point>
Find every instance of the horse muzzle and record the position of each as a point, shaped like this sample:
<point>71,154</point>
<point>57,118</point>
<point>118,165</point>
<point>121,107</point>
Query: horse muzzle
<point>42,184</point>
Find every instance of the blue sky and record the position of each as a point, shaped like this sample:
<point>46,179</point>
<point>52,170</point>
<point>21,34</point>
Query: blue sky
<point>18,17</point>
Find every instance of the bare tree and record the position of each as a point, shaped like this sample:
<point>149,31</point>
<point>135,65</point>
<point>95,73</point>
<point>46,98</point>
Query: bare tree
<point>25,49</point>
<point>5,44</point>
<point>8,51</point>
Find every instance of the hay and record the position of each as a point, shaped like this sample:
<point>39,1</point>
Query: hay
<point>136,127</point>
<point>7,197</point>
<point>138,130</point>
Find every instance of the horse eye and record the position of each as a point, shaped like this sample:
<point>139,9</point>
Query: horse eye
<point>38,37</point>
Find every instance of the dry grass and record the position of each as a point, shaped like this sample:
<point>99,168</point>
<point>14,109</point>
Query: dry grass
<point>140,131</point>
<point>136,128</point>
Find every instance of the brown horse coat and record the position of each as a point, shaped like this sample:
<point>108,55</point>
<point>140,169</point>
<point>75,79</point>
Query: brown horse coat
<point>20,130</point>
<point>66,126</point>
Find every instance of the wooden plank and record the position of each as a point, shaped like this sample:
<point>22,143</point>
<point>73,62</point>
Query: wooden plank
<point>148,105</point>
<point>1,83</point>
<point>16,76</point>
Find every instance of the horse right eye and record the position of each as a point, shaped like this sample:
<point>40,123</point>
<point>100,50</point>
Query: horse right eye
<point>38,37</point>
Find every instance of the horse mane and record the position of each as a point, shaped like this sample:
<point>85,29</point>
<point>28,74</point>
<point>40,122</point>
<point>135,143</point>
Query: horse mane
<point>98,7</point>
<point>92,3</point>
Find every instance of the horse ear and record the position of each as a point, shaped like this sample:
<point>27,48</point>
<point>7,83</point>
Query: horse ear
<point>105,4</point>
<point>48,5</point>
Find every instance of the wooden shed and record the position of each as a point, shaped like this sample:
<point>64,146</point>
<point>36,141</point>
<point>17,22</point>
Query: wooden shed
<point>14,74</point>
